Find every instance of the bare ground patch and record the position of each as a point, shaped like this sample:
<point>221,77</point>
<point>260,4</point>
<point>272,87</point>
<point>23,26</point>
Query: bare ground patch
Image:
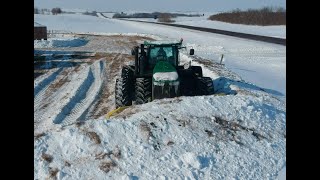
<point>94,137</point>
<point>53,173</point>
<point>105,103</point>
<point>57,84</point>
<point>47,157</point>
<point>39,135</point>
<point>106,166</point>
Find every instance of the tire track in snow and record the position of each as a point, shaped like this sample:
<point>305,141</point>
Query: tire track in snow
<point>43,98</point>
<point>83,97</point>
<point>43,119</point>
<point>53,91</point>
<point>102,104</point>
<point>41,86</point>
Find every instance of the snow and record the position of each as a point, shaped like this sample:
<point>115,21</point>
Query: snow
<point>109,15</point>
<point>282,174</point>
<point>79,23</point>
<point>272,31</point>
<point>240,135</point>
<point>192,153</point>
<point>60,42</point>
<point>37,25</point>
<point>159,42</point>
<point>165,76</point>
<point>278,31</point>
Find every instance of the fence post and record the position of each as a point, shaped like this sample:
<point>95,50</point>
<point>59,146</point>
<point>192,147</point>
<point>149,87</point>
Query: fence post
<point>221,59</point>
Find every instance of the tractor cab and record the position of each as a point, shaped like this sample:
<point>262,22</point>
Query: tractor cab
<point>162,51</point>
<point>152,52</point>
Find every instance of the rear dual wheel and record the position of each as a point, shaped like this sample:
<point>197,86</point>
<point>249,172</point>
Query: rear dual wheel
<point>143,90</point>
<point>124,88</point>
<point>204,86</point>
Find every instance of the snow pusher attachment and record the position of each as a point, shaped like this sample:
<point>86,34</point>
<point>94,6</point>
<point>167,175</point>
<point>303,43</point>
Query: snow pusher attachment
<point>116,111</point>
<point>156,74</point>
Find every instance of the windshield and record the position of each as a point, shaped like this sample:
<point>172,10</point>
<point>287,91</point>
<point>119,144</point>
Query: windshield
<point>163,54</point>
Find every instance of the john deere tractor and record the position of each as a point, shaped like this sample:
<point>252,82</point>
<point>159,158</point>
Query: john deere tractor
<point>156,74</point>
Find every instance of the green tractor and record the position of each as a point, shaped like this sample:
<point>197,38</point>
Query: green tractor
<point>156,74</point>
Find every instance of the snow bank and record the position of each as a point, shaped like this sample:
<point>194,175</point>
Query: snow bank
<point>225,137</point>
<point>165,76</point>
<point>60,42</point>
<point>35,24</point>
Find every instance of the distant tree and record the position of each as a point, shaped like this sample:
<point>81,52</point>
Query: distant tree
<point>36,10</point>
<point>266,9</point>
<point>56,11</point>
<point>122,15</point>
<point>93,13</point>
<point>280,9</point>
<point>165,17</point>
<point>265,16</point>
<point>236,10</point>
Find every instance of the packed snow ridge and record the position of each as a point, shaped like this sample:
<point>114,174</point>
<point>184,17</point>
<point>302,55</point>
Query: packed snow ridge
<point>60,42</point>
<point>225,137</point>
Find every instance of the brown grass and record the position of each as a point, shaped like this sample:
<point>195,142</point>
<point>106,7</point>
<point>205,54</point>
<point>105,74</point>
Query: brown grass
<point>99,55</point>
<point>170,143</point>
<point>47,157</point>
<point>264,17</point>
<point>80,123</point>
<point>101,155</point>
<point>131,39</point>
<point>37,136</point>
<point>107,166</point>
<point>209,133</point>
<point>117,152</point>
<point>53,173</point>
<point>66,163</point>
<point>94,137</point>
<point>58,84</point>
<point>233,126</point>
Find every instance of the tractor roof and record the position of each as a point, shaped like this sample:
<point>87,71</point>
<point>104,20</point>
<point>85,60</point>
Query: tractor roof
<point>163,43</point>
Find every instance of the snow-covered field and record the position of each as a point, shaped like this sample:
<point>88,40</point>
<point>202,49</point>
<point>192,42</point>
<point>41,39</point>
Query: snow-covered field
<point>240,135</point>
<point>202,21</point>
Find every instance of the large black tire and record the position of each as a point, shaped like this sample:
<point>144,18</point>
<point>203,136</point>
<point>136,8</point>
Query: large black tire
<point>187,82</point>
<point>143,90</point>
<point>124,88</point>
<point>204,86</point>
<point>197,70</point>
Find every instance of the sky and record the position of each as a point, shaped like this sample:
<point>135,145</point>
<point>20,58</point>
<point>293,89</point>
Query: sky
<point>158,5</point>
